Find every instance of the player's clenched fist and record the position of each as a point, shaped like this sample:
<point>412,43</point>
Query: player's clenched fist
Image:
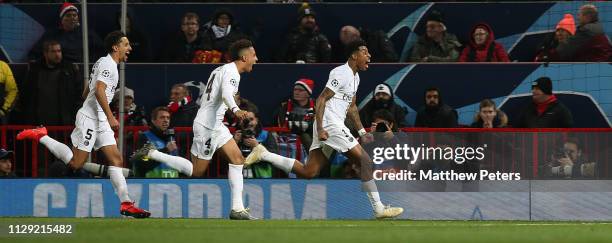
<point>322,134</point>
<point>241,114</point>
<point>114,124</point>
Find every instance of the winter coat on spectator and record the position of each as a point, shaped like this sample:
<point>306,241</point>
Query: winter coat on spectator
<point>490,51</point>
<point>589,44</point>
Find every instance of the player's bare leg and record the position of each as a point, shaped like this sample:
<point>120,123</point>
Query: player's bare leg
<point>357,155</point>
<point>200,166</point>
<point>316,161</point>
<point>230,152</point>
<point>111,152</point>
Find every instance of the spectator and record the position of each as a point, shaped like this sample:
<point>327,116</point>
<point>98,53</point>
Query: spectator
<point>569,162</point>
<point>141,50</point>
<point>483,47</point>
<point>436,113</point>
<point>297,113</point>
<point>134,114</point>
<point>590,43</point>
<point>383,100</point>
<point>565,28</point>
<point>182,46</point>
<point>221,31</point>
<point>545,111</point>
<point>182,107</point>
<point>436,45</point>
<point>9,94</point>
<point>489,116</point>
<point>51,94</point>
<point>162,137</point>
<point>305,43</point>
<point>248,136</point>
<point>6,164</point>
<point>378,44</point>
<point>70,37</point>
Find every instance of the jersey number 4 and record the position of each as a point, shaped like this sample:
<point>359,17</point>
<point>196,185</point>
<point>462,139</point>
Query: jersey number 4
<point>209,86</point>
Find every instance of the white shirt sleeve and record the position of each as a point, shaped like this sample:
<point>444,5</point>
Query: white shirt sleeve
<point>228,85</point>
<point>105,74</point>
<point>334,82</point>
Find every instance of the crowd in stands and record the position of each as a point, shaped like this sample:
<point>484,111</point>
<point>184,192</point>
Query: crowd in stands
<point>52,72</point>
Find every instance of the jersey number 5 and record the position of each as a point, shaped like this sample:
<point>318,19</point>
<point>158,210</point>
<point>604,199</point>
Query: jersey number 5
<point>209,85</point>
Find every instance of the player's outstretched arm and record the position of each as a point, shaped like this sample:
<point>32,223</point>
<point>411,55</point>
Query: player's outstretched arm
<point>101,98</point>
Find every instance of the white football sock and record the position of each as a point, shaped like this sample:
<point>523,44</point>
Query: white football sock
<point>98,169</point>
<point>176,162</point>
<point>373,196</point>
<point>281,162</point>
<point>119,183</point>
<point>59,150</point>
<point>234,175</point>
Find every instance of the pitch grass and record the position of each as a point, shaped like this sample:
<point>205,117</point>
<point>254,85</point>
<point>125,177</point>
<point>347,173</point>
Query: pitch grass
<point>218,230</point>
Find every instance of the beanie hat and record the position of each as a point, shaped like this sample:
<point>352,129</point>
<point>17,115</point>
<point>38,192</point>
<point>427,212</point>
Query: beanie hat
<point>307,84</point>
<point>304,11</point>
<point>67,7</point>
<point>544,84</point>
<point>382,88</point>
<point>568,24</point>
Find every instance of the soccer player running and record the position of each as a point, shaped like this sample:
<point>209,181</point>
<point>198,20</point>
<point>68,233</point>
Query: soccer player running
<point>333,105</point>
<point>95,123</point>
<point>210,135</point>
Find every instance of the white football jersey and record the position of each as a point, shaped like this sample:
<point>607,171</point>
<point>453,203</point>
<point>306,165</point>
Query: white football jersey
<point>344,84</point>
<point>105,70</point>
<point>221,87</point>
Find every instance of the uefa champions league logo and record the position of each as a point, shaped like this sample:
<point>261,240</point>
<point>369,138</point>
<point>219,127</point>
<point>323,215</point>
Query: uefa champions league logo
<point>199,86</point>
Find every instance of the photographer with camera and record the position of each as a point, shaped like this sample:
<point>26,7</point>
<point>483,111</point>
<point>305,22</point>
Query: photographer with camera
<point>162,138</point>
<point>569,161</point>
<point>248,135</point>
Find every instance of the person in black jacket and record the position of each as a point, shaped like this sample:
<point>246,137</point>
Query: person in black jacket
<point>378,44</point>
<point>545,111</point>
<point>52,91</point>
<point>69,34</point>
<point>383,100</point>
<point>182,107</point>
<point>436,113</point>
<point>305,43</point>
<point>222,31</point>
<point>182,46</point>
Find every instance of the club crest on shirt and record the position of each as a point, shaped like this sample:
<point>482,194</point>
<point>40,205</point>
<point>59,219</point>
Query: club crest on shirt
<point>334,83</point>
<point>233,82</point>
<point>105,73</point>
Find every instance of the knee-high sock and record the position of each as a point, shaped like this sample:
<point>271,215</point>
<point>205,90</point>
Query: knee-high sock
<point>283,163</point>
<point>119,183</point>
<point>99,170</point>
<point>373,196</point>
<point>234,175</point>
<point>59,150</point>
<point>176,162</point>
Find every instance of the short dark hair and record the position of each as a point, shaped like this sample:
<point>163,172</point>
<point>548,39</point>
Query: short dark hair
<point>387,116</point>
<point>183,86</point>
<point>237,47</point>
<point>575,141</point>
<point>157,110</point>
<point>353,46</point>
<point>112,39</point>
<point>432,89</point>
<point>48,43</point>
<point>190,15</point>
